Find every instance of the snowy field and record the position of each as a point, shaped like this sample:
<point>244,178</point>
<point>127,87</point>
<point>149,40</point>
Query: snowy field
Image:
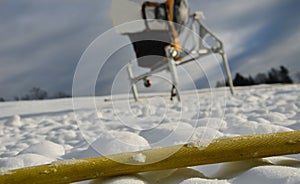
<point>40,132</point>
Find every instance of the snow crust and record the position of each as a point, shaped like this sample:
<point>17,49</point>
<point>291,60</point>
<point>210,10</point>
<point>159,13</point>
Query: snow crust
<point>41,132</point>
<point>139,158</point>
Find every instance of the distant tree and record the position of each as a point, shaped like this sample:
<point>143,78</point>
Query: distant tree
<point>279,76</point>
<point>220,84</point>
<point>2,99</point>
<point>38,94</point>
<point>273,76</point>
<point>251,81</point>
<point>26,97</point>
<point>61,95</point>
<point>261,78</point>
<point>240,80</point>
<point>284,75</point>
<point>298,77</point>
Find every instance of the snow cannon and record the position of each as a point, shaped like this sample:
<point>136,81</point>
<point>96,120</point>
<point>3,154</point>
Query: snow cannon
<point>155,29</point>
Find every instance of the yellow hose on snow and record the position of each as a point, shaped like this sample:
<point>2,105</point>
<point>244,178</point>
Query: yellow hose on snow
<point>220,150</point>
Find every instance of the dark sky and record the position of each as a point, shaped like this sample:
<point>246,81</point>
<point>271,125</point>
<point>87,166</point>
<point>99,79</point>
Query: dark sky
<point>41,42</point>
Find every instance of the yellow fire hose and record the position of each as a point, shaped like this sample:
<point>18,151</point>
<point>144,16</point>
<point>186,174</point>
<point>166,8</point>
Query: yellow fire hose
<point>220,150</point>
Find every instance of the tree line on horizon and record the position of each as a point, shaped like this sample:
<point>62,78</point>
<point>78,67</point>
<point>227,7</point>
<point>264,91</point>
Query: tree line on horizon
<point>36,93</point>
<point>273,76</point>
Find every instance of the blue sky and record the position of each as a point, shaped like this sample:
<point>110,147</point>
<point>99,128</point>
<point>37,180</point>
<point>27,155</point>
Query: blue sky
<point>41,42</point>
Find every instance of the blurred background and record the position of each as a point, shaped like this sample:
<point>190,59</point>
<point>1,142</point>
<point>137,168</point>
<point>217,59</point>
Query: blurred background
<point>41,42</point>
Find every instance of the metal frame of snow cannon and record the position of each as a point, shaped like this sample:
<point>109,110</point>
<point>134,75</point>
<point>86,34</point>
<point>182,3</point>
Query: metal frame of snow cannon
<point>193,54</point>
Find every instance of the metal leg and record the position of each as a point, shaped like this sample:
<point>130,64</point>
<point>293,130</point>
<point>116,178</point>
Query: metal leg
<point>173,92</point>
<point>224,57</point>
<point>204,31</point>
<point>132,83</point>
<point>173,71</point>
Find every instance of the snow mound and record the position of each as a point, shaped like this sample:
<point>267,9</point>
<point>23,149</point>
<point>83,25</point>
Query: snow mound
<point>269,175</point>
<point>167,134</point>
<point>30,159</point>
<point>179,175</point>
<point>14,121</point>
<point>216,123</point>
<point>204,181</point>
<point>45,148</point>
<point>115,142</point>
<point>120,180</point>
<point>11,163</point>
<point>206,134</point>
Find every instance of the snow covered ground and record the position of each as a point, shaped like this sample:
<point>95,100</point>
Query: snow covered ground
<point>39,132</point>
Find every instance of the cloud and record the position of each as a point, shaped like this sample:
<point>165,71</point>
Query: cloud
<point>274,43</point>
<point>257,34</point>
<point>284,51</point>
<point>43,42</point>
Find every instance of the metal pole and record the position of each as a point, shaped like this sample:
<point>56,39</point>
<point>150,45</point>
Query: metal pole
<point>132,82</point>
<point>219,150</point>
<point>173,71</point>
<point>230,82</point>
